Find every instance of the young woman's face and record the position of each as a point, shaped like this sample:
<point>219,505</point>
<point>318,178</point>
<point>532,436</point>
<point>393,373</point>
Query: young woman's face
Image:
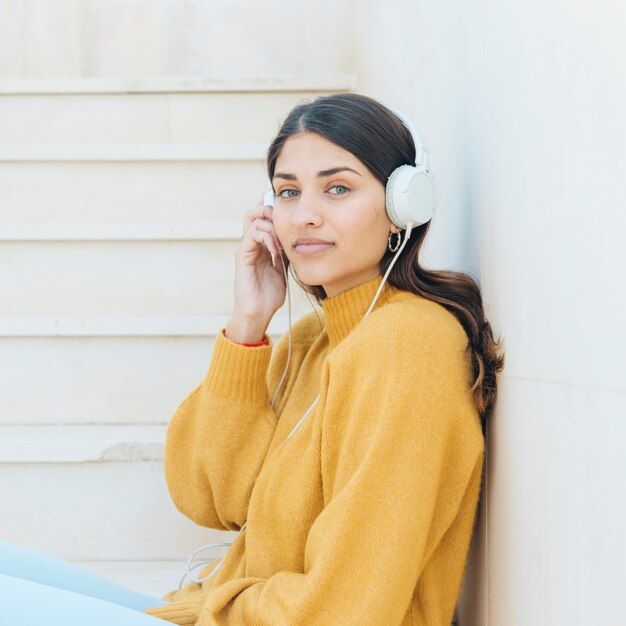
<point>344,208</point>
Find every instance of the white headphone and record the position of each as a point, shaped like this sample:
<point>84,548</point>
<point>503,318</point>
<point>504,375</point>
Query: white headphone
<point>410,199</point>
<point>410,192</point>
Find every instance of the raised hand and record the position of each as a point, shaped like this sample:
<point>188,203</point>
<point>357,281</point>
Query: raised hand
<point>259,276</point>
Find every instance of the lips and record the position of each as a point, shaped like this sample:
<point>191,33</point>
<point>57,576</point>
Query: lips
<point>309,240</point>
<point>310,245</point>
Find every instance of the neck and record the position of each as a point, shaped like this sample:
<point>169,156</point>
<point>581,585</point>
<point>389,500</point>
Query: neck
<point>334,289</point>
<point>346,309</point>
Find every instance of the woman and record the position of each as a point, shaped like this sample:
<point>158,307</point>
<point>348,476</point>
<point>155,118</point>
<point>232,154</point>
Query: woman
<point>359,511</point>
<point>350,454</point>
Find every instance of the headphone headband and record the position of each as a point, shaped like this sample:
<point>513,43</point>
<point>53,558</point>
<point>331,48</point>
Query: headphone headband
<point>420,152</point>
<point>410,193</point>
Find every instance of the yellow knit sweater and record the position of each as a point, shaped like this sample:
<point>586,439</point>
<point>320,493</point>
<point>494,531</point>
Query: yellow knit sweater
<point>364,516</point>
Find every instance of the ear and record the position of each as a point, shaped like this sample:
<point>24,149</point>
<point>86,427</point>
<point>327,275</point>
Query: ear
<point>392,227</point>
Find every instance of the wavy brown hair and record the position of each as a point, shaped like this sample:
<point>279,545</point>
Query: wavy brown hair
<point>377,137</point>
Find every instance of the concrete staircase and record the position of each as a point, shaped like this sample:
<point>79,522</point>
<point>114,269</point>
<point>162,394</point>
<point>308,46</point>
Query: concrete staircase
<point>121,204</point>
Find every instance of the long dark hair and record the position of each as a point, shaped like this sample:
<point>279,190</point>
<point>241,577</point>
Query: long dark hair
<point>376,136</point>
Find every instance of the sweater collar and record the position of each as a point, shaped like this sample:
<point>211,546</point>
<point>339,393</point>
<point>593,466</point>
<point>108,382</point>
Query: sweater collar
<point>343,311</point>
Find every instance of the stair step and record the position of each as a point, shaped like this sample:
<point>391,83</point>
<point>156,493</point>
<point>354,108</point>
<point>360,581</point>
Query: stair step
<point>100,489</point>
<point>33,152</point>
<point>129,191</point>
<point>81,443</point>
<point>225,230</point>
<point>103,371</point>
<point>124,326</point>
<point>195,115</point>
<point>117,279</point>
<point>143,280</point>
<point>106,379</point>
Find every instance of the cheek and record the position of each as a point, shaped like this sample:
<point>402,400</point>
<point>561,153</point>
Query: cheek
<point>365,228</point>
<point>282,229</point>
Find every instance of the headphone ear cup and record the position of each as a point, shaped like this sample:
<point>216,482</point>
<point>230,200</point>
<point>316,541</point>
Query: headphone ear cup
<point>268,198</point>
<point>410,196</point>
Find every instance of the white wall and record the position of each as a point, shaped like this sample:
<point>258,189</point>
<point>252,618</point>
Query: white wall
<point>522,106</point>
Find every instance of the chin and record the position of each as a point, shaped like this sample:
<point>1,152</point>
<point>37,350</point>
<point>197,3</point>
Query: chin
<point>309,277</point>
<point>313,280</point>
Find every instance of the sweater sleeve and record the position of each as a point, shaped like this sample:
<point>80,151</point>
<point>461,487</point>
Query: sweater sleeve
<point>218,437</point>
<point>396,463</point>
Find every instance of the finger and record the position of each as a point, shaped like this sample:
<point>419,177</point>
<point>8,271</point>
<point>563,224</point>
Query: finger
<point>281,263</point>
<point>266,238</point>
<point>263,224</point>
<point>259,225</point>
<point>267,226</point>
<point>260,212</point>
<point>252,237</point>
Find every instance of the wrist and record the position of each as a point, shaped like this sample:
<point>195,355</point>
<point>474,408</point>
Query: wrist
<point>245,330</point>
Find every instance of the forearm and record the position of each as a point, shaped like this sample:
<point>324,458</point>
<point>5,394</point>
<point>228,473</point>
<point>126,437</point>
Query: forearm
<point>217,439</point>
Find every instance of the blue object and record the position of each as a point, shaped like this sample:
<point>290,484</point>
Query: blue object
<point>36,588</point>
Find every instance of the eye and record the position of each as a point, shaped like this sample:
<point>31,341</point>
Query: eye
<point>339,185</point>
<point>280,193</point>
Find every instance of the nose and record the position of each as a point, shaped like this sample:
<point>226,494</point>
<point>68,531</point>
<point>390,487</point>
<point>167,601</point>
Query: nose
<point>305,210</point>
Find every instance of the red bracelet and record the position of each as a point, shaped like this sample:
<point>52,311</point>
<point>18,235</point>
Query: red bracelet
<point>253,345</point>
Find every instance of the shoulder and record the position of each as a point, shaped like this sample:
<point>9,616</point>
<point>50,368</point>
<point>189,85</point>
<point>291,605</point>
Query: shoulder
<point>413,350</point>
<point>410,342</point>
<point>408,323</point>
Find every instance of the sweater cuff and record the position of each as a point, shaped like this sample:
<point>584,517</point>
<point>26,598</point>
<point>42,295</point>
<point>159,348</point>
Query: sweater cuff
<point>264,342</point>
<point>183,613</point>
<point>237,372</point>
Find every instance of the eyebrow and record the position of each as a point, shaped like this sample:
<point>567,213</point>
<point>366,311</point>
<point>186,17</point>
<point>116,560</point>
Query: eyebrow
<point>330,172</point>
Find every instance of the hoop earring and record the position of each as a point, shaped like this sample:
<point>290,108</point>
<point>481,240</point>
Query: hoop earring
<point>397,241</point>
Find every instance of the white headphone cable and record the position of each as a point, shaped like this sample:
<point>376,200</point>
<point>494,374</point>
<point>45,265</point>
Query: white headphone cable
<point>289,336</point>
